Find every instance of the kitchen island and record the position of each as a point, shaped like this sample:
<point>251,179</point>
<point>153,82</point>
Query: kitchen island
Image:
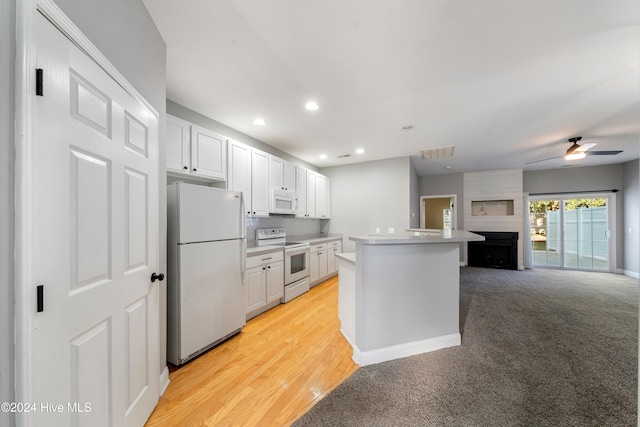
<point>399,294</point>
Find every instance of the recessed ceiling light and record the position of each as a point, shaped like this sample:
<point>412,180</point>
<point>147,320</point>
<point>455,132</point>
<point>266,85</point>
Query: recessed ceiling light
<point>259,122</point>
<point>323,156</point>
<point>408,127</point>
<point>360,151</point>
<point>312,106</point>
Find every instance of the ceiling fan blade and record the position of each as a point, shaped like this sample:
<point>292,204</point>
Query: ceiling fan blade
<point>543,160</point>
<point>584,147</point>
<point>604,152</point>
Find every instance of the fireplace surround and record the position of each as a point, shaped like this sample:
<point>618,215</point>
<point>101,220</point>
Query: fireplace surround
<point>499,250</point>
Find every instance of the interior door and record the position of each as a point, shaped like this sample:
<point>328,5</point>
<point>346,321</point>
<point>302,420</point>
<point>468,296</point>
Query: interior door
<point>93,244</point>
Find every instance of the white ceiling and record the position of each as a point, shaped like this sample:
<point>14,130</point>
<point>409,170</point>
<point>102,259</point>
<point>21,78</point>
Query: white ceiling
<point>504,81</point>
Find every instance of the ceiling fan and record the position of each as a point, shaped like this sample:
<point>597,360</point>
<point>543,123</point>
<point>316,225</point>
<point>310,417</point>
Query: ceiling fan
<point>577,151</point>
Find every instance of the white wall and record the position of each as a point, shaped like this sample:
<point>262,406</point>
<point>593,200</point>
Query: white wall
<point>7,83</point>
<point>631,231</point>
<point>369,195</point>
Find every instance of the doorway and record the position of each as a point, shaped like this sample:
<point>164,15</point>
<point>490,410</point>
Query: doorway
<point>438,212</point>
<point>573,231</point>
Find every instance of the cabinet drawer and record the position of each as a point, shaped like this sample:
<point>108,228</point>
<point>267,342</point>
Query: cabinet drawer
<point>258,260</point>
<point>334,244</point>
<point>318,247</point>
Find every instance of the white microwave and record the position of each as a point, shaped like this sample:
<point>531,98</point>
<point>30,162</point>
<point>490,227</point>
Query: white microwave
<point>282,202</point>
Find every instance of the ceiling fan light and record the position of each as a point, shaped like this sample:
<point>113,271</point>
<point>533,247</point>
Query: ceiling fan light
<point>574,156</point>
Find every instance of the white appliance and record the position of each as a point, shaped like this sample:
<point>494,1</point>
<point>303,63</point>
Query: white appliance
<point>205,253</point>
<point>282,202</point>
<point>296,261</point>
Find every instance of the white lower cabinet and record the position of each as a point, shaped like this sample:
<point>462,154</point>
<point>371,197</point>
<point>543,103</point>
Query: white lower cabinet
<point>318,263</point>
<point>264,281</point>
<point>333,248</point>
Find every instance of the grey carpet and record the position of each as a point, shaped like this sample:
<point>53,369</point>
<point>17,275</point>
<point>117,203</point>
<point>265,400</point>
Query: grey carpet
<point>539,348</point>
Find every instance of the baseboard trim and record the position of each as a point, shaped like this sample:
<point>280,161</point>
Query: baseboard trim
<point>631,274</point>
<point>164,380</point>
<point>364,358</point>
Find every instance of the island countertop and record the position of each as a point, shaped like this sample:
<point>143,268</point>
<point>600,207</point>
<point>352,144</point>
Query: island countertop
<point>417,236</point>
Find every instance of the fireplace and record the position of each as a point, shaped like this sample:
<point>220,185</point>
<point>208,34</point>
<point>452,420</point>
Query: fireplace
<point>499,250</point>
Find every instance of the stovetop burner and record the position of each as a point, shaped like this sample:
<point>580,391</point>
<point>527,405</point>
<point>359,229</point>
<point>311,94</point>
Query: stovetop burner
<point>275,237</point>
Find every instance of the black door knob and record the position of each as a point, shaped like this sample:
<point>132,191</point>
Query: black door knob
<point>184,167</point>
<point>159,277</point>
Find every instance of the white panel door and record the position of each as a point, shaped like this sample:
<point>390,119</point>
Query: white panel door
<point>93,244</point>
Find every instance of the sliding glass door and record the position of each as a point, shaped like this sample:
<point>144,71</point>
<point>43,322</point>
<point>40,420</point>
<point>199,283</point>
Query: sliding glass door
<point>571,232</point>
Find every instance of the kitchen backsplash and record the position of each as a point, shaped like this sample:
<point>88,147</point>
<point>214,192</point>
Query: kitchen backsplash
<point>292,226</point>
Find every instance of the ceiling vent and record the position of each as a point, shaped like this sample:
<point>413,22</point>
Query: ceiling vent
<point>436,153</point>
<point>344,155</point>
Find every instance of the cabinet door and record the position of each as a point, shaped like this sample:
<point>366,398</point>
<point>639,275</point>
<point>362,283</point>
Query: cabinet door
<point>314,267</point>
<point>208,153</point>
<point>239,172</point>
<point>311,194</point>
<point>333,261</point>
<point>323,264</point>
<point>277,173</point>
<point>178,138</point>
<point>275,281</point>
<point>327,197</point>
<point>259,183</point>
<point>256,288</point>
<point>301,196</point>
<point>319,196</point>
<point>283,175</point>
<point>289,177</point>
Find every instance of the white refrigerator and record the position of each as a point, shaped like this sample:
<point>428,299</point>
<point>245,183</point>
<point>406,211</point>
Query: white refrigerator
<point>206,246</point>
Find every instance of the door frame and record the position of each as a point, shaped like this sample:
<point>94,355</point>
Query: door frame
<point>612,221</point>
<point>25,296</point>
<point>454,204</point>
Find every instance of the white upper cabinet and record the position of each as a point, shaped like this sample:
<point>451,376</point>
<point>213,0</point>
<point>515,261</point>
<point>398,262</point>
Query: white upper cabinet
<point>248,171</point>
<point>178,139</point>
<point>208,153</point>
<point>301,194</point>
<point>323,192</point>
<point>313,194</point>
<point>239,171</point>
<point>195,151</point>
<point>283,175</point>
<point>259,183</point>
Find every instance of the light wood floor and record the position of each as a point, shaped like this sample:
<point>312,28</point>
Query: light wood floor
<point>270,374</point>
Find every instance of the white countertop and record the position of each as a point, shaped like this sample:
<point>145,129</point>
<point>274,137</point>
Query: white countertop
<point>349,257</point>
<point>253,249</point>
<point>419,237</point>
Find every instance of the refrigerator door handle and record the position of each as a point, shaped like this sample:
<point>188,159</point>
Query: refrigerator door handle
<point>243,221</point>
<point>243,259</point>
